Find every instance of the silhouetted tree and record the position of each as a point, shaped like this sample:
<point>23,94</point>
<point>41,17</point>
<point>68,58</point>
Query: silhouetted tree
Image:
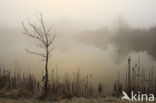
<point>45,39</point>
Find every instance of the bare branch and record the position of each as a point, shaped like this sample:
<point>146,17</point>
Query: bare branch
<point>50,28</point>
<point>40,46</point>
<point>26,32</point>
<point>52,40</point>
<point>37,15</point>
<point>44,29</point>
<point>38,32</point>
<point>32,52</point>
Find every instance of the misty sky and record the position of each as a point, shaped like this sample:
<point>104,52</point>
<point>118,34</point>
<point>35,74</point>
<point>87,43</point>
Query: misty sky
<point>99,12</point>
<point>86,34</point>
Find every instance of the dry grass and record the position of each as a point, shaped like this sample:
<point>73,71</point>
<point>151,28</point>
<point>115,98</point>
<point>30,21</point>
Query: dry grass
<point>73,100</point>
<point>15,84</point>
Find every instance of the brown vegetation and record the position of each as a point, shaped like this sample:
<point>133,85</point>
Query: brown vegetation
<point>137,79</point>
<point>16,84</point>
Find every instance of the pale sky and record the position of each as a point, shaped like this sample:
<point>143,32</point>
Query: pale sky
<point>100,12</point>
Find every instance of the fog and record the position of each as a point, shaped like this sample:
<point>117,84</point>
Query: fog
<point>95,36</point>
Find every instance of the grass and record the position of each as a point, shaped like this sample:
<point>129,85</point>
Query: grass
<point>73,100</point>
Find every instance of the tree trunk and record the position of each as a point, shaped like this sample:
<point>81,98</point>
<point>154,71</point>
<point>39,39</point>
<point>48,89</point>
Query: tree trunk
<point>46,71</point>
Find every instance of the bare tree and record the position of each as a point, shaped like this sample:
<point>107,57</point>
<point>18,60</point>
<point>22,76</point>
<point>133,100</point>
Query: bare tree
<point>45,39</point>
